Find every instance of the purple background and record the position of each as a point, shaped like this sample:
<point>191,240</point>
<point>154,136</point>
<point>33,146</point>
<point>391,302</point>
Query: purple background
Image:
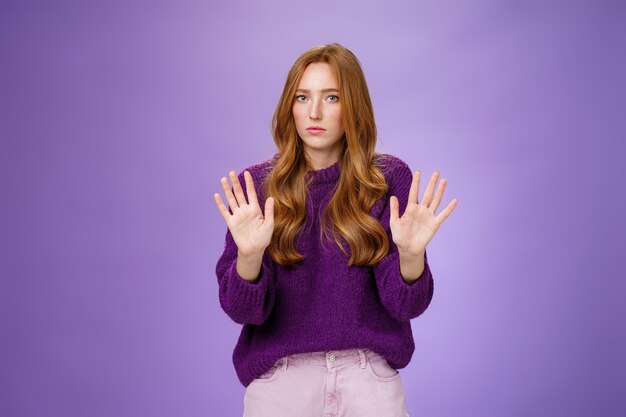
<point>119,118</point>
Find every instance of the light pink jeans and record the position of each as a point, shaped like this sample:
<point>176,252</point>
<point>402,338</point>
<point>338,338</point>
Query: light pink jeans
<point>343,383</point>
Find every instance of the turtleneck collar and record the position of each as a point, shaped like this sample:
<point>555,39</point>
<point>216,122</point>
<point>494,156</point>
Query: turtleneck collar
<point>326,175</point>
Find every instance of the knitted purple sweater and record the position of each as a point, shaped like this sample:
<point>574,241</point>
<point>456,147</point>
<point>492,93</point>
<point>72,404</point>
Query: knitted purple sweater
<point>321,304</point>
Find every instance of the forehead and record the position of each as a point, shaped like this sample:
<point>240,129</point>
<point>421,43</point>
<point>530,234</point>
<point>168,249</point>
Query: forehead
<point>318,76</point>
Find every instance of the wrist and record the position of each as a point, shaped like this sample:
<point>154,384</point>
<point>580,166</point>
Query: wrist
<point>409,256</point>
<point>249,266</point>
<point>251,256</point>
<point>411,266</point>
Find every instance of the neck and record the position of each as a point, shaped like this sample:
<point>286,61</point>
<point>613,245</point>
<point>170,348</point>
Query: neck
<point>318,161</point>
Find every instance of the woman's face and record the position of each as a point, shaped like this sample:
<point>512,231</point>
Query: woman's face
<point>317,113</point>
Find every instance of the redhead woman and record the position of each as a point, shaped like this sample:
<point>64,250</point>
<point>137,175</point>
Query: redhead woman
<point>325,260</point>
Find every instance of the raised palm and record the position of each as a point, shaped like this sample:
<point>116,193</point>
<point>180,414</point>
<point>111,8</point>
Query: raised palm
<point>415,229</point>
<point>251,231</point>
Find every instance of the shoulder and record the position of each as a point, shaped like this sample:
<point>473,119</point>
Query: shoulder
<point>260,170</point>
<point>395,170</point>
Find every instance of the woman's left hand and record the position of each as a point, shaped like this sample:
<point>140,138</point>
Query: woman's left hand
<point>417,226</point>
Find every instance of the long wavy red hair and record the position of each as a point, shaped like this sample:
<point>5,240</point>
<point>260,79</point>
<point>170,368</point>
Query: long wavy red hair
<point>361,182</point>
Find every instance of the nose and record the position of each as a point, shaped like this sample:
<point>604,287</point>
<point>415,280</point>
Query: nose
<point>315,111</point>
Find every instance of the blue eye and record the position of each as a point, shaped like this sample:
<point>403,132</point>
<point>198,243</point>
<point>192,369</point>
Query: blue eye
<point>333,98</point>
<point>300,98</point>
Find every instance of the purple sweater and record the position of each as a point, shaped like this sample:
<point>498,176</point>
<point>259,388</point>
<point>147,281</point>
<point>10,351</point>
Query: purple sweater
<point>321,304</point>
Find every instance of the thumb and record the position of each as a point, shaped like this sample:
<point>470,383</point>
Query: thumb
<point>393,209</point>
<point>269,212</point>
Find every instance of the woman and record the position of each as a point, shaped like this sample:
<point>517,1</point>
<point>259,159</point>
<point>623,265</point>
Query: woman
<point>326,279</point>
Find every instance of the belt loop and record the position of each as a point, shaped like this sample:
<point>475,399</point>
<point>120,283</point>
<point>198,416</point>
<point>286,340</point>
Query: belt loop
<point>285,362</point>
<point>362,356</point>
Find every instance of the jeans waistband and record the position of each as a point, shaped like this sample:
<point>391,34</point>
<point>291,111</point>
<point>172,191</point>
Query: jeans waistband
<point>332,358</point>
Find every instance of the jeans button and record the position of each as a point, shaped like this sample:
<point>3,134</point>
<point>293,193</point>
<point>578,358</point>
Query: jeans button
<point>331,357</point>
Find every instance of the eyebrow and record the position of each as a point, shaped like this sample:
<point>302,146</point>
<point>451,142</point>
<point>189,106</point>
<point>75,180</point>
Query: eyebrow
<point>326,90</point>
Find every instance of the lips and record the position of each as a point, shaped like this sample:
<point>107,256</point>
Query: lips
<point>315,129</point>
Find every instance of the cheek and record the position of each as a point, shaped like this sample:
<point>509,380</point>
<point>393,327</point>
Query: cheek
<point>338,120</point>
<point>297,116</point>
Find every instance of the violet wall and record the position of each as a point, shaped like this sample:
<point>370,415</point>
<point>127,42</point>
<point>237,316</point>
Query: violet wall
<point>118,118</point>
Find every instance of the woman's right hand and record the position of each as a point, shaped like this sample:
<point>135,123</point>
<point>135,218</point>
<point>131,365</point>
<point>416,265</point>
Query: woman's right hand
<point>250,230</point>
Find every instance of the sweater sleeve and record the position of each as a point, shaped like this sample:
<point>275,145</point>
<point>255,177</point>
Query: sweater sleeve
<point>244,301</point>
<point>403,301</point>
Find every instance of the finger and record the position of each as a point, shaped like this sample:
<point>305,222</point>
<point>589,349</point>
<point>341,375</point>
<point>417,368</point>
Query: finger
<point>269,212</point>
<point>415,185</point>
<point>438,196</point>
<point>252,197</point>
<point>446,212</point>
<point>241,198</point>
<point>393,209</point>
<point>427,198</point>
<point>232,203</point>
<point>221,207</point>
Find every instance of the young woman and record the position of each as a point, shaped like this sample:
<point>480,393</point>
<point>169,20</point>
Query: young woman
<point>326,279</point>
